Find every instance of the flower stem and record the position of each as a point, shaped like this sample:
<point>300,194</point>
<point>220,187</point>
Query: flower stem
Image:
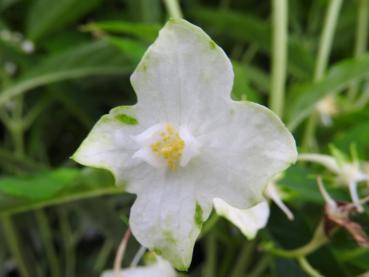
<point>318,240</point>
<point>362,27</point>
<point>279,56</point>
<point>244,259</point>
<point>173,8</point>
<point>46,236</point>
<point>10,230</point>
<point>120,253</point>
<point>325,47</point>
<point>10,233</point>
<point>361,39</point>
<point>138,256</point>
<point>69,240</point>
<point>306,266</point>
<point>261,266</point>
<point>209,225</point>
<point>326,39</point>
<point>103,256</point>
<point>211,259</point>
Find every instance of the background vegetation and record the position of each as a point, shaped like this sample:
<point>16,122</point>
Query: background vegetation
<point>65,63</point>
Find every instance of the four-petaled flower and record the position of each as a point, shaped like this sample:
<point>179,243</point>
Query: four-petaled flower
<point>186,142</point>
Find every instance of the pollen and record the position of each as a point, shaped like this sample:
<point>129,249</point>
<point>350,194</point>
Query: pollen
<point>170,146</point>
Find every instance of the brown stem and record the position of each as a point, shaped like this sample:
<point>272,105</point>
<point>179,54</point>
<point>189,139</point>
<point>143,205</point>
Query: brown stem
<point>120,253</point>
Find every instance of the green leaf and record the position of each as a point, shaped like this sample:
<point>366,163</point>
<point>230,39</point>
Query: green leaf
<point>82,61</point>
<point>357,134</point>
<point>134,48</point>
<point>145,31</point>
<point>144,10</point>
<point>45,188</point>
<point>338,78</point>
<point>240,26</point>
<point>300,184</point>
<point>250,29</point>
<point>48,183</point>
<point>4,4</point>
<point>46,16</point>
<point>241,88</point>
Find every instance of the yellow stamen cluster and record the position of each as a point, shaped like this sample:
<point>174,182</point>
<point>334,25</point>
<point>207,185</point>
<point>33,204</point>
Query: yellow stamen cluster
<point>170,146</point>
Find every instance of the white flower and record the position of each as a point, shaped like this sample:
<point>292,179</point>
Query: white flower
<point>160,268</point>
<point>327,108</point>
<point>348,173</point>
<point>251,220</point>
<point>27,46</point>
<point>186,142</point>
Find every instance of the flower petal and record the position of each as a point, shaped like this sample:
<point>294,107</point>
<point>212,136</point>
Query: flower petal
<point>249,221</point>
<point>182,74</point>
<point>355,196</point>
<point>168,214</point>
<point>273,193</point>
<point>243,150</point>
<point>109,145</point>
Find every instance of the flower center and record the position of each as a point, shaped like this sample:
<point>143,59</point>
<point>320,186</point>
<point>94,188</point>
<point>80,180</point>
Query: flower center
<point>170,146</point>
<point>162,146</point>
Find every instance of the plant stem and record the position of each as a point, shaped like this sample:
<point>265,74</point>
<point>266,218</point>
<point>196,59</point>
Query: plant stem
<point>326,38</point>
<point>243,260</point>
<point>279,56</point>
<point>308,138</point>
<point>363,99</point>
<point>362,28</point>
<point>306,266</point>
<point>138,256</point>
<point>103,256</point>
<point>318,240</point>
<point>209,225</point>
<point>120,253</point>
<point>209,268</point>
<point>69,244</point>
<point>360,39</point>
<point>46,236</point>
<point>10,233</point>
<point>173,8</point>
<point>325,47</point>
<point>261,266</point>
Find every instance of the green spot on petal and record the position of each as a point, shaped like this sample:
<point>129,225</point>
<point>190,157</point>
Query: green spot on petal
<point>126,119</point>
<point>212,44</point>
<point>198,215</point>
<point>157,251</point>
<point>168,236</point>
